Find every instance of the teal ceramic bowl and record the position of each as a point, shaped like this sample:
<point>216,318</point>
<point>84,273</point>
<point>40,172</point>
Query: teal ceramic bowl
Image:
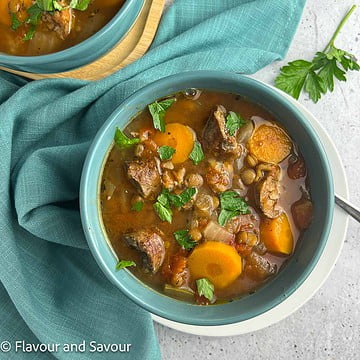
<point>309,249</point>
<point>85,52</point>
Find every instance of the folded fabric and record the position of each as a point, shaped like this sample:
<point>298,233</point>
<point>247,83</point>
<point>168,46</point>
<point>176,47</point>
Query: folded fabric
<point>52,291</point>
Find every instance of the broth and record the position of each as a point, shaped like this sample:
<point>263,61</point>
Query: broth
<point>119,218</point>
<point>48,36</point>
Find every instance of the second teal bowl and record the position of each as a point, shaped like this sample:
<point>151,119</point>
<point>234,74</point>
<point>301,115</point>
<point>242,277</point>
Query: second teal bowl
<point>309,249</point>
<point>84,53</point>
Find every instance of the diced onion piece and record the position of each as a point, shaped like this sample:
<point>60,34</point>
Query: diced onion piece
<point>215,232</point>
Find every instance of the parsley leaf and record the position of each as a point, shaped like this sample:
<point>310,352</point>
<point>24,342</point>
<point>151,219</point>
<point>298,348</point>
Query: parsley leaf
<point>317,77</point>
<point>184,239</point>
<point>158,110</point>
<point>293,77</point>
<point>80,4</point>
<point>122,141</point>
<point>162,206</point>
<point>166,200</point>
<point>234,122</point>
<point>231,205</point>
<point>124,264</point>
<point>15,22</point>
<point>45,5</point>
<point>30,34</point>
<point>166,152</point>
<point>197,154</point>
<point>179,200</point>
<point>137,206</point>
<point>206,288</point>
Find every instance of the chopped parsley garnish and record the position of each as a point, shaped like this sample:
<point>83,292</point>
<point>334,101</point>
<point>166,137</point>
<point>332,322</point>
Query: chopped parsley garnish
<point>179,200</point>
<point>137,206</point>
<point>158,110</point>
<point>122,141</point>
<point>166,200</point>
<point>205,288</point>
<point>234,122</point>
<point>231,205</point>
<point>316,77</point>
<point>122,264</point>
<point>166,152</point>
<point>35,11</point>
<point>162,206</point>
<point>197,154</point>
<point>184,239</point>
<point>15,22</point>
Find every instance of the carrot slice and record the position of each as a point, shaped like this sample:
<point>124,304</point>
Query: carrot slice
<point>269,144</point>
<point>276,234</point>
<point>179,137</point>
<point>5,18</point>
<point>218,262</point>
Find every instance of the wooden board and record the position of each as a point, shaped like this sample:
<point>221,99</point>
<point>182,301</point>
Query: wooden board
<point>133,46</point>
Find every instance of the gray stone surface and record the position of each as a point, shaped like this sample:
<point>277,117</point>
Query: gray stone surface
<point>328,326</point>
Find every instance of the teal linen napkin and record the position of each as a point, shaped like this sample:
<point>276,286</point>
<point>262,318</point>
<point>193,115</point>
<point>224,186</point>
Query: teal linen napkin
<point>52,290</point>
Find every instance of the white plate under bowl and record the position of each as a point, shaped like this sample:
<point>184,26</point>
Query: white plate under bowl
<point>317,277</point>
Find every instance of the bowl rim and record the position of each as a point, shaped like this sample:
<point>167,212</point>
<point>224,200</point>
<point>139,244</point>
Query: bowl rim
<point>85,193</point>
<point>75,49</point>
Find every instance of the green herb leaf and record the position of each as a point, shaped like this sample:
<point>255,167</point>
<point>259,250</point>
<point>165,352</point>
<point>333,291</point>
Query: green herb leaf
<point>234,122</point>
<point>162,206</point>
<point>138,206</point>
<point>45,5</point>
<point>197,154</point>
<point>166,152</point>
<point>314,86</point>
<point>205,288</point>
<point>327,73</point>
<point>184,239</point>
<point>293,76</point>
<point>15,23</point>
<point>57,6</point>
<point>122,141</point>
<point>179,200</point>
<point>166,200</point>
<point>226,215</point>
<point>164,213</point>
<point>231,205</point>
<point>30,34</point>
<point>34,15</point>
<point>33,19</point>
<point>317,77</point>
<point>124,264</point>
<point>80,4</point>
<point>158,110</point>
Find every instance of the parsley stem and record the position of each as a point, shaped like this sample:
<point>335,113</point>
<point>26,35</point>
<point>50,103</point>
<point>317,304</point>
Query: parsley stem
<point>338,29</point>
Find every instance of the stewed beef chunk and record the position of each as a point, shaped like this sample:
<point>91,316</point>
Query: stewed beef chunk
<point>268,191</point>
<point>219,175</point>
<point>150,243</point>
<point>216,138</point>
<point>144,174</point>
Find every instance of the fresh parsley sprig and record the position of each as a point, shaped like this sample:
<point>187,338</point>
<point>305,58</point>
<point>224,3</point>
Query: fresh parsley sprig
<point>231,205</point>
<point>234,122</point>
<point>166,200</point>
<point>38,8</point>
<point>205,288</point>
<point>122,264</point>
<point>166,152</point>
<point>184,239</point>
<point>197,154</point>
<point>317,77</point>
<point>158,110</point>
<point>122,141</point>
